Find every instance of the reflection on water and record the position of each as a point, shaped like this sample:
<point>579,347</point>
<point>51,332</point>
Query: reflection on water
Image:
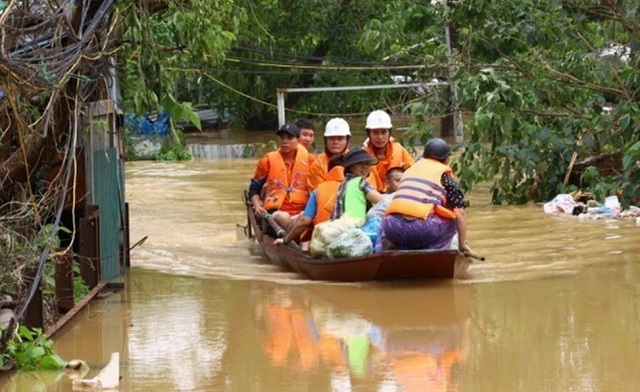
<point>305,332</point>
<point>554,307</point>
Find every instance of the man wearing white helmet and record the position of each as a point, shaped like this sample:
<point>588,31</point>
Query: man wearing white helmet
<point>382,147</point>
<point>336,141</point>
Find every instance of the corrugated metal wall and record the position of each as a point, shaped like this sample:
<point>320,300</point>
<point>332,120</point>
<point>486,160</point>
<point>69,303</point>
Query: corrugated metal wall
<point>105,182</point>
<point>106,176</point>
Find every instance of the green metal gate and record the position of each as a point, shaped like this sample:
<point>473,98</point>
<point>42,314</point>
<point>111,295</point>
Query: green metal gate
<point>107,177</point>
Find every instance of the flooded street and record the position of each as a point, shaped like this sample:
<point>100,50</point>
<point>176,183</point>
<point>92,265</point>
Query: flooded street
<point>553,308</point>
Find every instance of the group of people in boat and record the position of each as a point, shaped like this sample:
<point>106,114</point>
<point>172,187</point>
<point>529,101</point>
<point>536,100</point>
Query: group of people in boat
<point>423,204</point>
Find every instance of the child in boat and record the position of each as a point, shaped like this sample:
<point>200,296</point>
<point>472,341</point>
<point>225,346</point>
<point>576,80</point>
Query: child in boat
<point>392,179</point>
<point>355,195</point>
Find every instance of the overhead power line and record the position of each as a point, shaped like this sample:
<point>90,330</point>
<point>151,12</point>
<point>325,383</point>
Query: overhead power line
<point>323,67</point>
<point>288,55</point>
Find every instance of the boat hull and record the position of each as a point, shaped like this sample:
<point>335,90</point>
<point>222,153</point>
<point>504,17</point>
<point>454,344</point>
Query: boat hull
<point>389,265</point>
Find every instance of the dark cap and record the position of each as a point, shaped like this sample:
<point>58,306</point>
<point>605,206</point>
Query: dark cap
<point>436,148</point>
<point>358,155</point>
<point>290,128</point>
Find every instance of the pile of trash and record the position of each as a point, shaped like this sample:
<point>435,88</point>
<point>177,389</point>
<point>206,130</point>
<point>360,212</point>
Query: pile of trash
<point>584,206</point>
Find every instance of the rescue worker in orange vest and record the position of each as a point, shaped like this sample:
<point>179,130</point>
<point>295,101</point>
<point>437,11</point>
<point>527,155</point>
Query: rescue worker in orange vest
<point>336,141</point>
<point>380,145</point>
<point>307,133</point>
<point>428,208</point>
<point>320,204</point>
<point>283,175</point>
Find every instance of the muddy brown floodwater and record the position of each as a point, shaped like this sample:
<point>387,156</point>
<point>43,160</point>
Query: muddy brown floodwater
<point>554,308</point>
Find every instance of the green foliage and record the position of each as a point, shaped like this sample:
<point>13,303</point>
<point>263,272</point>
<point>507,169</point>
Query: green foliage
<point>31,350</point>
<point>180,111</point>
<point>49,279</point>
<point>248,150</point>
<point>161,38</point>
<point>535,81</point>
<point>80,288</point>
<point>173,152</point>
<point>48,273</point>
<point>295,44</point>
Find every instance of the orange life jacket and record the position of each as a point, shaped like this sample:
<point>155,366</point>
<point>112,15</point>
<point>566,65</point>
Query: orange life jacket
<point>421,372</point>
<point>318,171</point>
<point>420,192</point>
<point>279,185</point>
<point>393,158</point>
<point>326,194</point>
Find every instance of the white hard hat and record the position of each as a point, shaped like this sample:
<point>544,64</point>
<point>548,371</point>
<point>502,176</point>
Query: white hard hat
<point>378,119</point>
<point>337,127</point>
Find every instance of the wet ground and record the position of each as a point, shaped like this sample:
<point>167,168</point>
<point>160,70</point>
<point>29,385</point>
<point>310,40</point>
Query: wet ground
<point>554,307</point>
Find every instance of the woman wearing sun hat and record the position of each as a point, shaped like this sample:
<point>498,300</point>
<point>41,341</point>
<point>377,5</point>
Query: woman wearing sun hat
<point>355,194</point>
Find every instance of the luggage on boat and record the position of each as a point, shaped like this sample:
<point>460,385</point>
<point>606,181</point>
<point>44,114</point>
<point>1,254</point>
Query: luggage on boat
<point>327,232</point>
<point>351,243</point>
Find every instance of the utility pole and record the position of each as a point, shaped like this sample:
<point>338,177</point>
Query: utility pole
<point>456,115</point>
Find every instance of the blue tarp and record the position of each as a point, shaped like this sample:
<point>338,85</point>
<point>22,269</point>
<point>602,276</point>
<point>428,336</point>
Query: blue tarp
<point>147,126</point>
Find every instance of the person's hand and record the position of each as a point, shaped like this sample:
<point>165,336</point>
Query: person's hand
<point>278,241</point>
<point>465,248</point>
<point>259,210</point>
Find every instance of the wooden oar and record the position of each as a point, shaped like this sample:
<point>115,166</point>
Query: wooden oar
<point>247,201</point>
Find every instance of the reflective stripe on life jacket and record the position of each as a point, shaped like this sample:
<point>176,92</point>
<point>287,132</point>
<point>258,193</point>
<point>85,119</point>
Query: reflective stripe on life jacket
<point>326,194</point>
<point>279,185</point>
<point>420,193</point>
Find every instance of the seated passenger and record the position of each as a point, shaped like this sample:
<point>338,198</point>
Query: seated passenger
<point>283,174</point>
<point>320,204</point>
<point>307,133</point>
<point>392,179</point>
<point>355,195</point>
<point>428,208</point>
<point>336,141</point>
<point>381,146</point>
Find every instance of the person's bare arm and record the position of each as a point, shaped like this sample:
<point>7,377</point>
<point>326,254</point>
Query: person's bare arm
<point>461,222</point>
<point>302,223</point>
<point>374,196</point>
<point>256,202</point>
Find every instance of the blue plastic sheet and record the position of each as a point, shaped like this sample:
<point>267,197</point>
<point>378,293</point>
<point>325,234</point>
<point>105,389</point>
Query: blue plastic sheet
<point>372,228</point>
<point>149,127</point>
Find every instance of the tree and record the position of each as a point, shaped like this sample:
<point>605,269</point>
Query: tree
<point>541,97</point>
<point>298,44</point>
<point>166,41</point>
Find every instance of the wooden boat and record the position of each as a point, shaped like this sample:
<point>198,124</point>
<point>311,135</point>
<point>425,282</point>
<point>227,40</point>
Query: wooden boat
<point>389,265</point>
